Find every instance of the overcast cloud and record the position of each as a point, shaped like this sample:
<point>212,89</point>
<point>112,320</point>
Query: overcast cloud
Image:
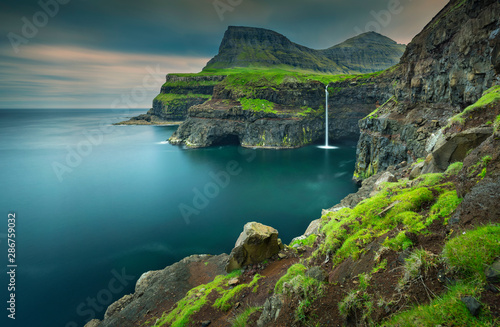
<point>92,52</point>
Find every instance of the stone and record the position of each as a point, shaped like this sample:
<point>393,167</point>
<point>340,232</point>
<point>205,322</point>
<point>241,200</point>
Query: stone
<point>472,305</point>
<point>255,244</point>
<point>416,170</point>
<point>272,309</point>
<point>456,148</point>
<point>313,228</point>
<point>281,255</point>
<point>93,323</point>
<point>387,177</point>
<point>493,272</point>
<point>317,273</point>
<point>206,323</point>
<point>233,282</point>
<point>118,305</point>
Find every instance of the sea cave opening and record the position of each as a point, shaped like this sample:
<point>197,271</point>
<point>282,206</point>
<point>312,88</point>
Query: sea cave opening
<point>230,139</point>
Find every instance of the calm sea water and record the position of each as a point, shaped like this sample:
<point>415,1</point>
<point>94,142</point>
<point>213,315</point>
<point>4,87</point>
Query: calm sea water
<point>95,201</point>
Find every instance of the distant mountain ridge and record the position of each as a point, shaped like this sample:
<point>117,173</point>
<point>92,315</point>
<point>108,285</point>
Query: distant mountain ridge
<point>259,47</point>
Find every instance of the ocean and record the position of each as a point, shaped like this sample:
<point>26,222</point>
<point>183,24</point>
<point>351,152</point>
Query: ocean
<point>97,205</point>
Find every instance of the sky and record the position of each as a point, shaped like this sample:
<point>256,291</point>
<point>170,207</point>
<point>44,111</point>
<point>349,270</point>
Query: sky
<point>116,53</point>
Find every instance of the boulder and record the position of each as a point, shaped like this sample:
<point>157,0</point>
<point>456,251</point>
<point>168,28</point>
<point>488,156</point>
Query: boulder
<point>493,272</point>
<point>416,170</point>
<point>456,148</point>
<point>256,243</point>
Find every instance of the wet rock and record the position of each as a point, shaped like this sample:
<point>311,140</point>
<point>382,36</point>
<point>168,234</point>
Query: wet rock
<point>255,244</point>
<point>493,272</point>
<point>472,305</point>
<point>272,309</point>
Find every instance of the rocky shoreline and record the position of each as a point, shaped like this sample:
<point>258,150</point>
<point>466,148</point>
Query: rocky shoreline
<point>428,161</point>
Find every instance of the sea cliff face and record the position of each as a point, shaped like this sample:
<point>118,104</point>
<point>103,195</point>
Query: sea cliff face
<point>444,69</point>
<point>288,125</point>
<point>177,95</point>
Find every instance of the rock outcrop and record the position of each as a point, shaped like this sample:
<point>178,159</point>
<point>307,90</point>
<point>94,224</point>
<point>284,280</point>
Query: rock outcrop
<point>157,290</point>
<point>445,68</point>
<point>177,95</point>
<point>255,244</point>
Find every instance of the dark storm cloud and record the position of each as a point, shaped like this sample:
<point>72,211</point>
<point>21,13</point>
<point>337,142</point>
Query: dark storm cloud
<point>179,35</point>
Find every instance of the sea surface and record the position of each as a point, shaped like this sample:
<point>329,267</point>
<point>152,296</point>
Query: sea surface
<point>97,205</point>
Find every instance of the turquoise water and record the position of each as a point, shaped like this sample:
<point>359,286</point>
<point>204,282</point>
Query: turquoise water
<point>94,201</point>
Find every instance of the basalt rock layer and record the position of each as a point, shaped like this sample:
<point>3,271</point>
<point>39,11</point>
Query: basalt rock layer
<point>445,68</point>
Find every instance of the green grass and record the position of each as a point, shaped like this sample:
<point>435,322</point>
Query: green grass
<point>306,288</point>
<point>473,251</point>
<point>257,105</point>
<point>454,169</point>
<point>241,319</point>
<point>309,241</point>
<point>417,264</point>
<point>399,243</point>
<point>358,300</point>
<point>490,97</point>
<point>188,83</point>
<point>496,124</point>
<point>167,97</point>
<point>447,310</point>
<point>348,231</point>
<point>225,301</point>
<point>446,204</point>
<point>193,301</point>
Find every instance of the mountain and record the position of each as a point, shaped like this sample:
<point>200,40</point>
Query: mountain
<point>258,47</point>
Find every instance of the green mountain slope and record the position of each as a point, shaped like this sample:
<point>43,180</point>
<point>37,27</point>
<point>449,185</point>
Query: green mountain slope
<point>258,47</point>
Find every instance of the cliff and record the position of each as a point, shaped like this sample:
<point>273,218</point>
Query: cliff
<point>417,245</point>
<point>289,120</point>
<point>258,47</point>
<point>248,51</point>
<point>177,95</point>
<point>445,68</point>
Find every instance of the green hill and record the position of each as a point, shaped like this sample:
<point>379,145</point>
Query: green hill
<point>257,47</point>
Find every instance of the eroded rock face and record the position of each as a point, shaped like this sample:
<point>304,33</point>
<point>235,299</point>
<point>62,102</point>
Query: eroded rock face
<point>255,244</point>
<point>445,68</point>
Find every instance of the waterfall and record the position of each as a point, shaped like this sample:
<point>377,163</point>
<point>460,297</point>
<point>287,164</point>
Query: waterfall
<point>326,146</point>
